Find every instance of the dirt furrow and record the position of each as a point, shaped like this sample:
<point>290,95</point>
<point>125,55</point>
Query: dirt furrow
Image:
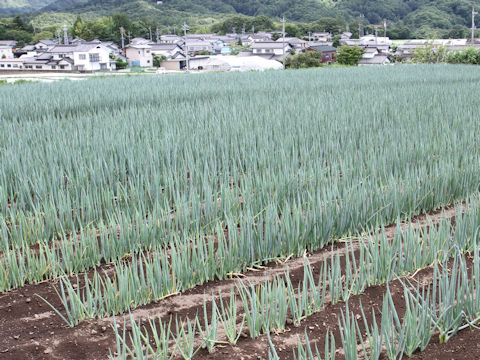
<point>31,330</point>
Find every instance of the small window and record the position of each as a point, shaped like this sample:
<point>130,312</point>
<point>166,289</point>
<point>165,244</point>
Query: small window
<point>38,67</point>
<point>54,67</point>
<point>62,67</point>
<point>82,57</point>
<point>9,65</point>
<point>2,65</point>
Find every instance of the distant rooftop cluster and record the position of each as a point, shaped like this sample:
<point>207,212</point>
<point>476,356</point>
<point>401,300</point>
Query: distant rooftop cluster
<point>264,50</point>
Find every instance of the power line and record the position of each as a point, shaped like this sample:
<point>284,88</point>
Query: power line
<point>185,29</point>
<point>283,41</point>
<point>473,25</point>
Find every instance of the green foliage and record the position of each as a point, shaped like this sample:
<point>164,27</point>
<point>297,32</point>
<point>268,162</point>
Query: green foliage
<point>336,42</point>
<point>260,23</point>
<point>120,64</point>
<point>157,60</point>
<point>276,36</point>
<point>418,18</point>
<point>430,54</point>
<point>309,59</point>
<point>468,56</point>
<point>349,55</point>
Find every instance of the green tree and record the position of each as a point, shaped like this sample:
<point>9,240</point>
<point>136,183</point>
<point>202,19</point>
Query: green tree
<point>310,59</point>
<point>292,30</point>
<point>467,56</point>
<point>21,36</point>
<point>43,35</point>
<point>430,54</point>
<point>349,55</point>
<point>77,27</point>
<point>276,36</point>
<point>336,41</point>
<point>19,24</point>
<point>157,60</point>
<point>458,32</point>
<point>120,64</point>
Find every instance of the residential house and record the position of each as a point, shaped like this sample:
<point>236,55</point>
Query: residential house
<point>197,46</point>
<point>167,50</point>
<point>321,36</point>
<point>11,64</point>
<point>328,52</point>
<point>296,43</point>
<point>11,43</point>
<point>139,55</point>
<point>6,52</point>
<point>376,59</point>
<point>46,62</point>
<point>170,39</point>
<point>375,40</point>
<point>60,51</point>
<point>270,49</point>
<point>93,57</point>
<point>43,45</point>
<point>139,41</point>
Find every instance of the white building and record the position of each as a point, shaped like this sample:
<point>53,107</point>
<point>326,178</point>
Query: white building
<point>271,48</point>
<point>93,57</point>
<point>11,64</point>
<point>372,39</point>
<point>6,52</point>
<point>241,63</point>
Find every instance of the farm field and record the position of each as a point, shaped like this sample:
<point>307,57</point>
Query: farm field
<point>243,216</point>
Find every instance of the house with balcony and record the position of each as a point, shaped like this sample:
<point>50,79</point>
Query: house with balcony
<point>93,57</point>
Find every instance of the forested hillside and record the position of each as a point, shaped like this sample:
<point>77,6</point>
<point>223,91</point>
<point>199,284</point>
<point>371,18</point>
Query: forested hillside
<point>22,6</point>
<point>406,18</point>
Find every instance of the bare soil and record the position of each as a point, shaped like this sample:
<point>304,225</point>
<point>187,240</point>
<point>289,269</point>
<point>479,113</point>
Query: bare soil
<point>29,328</point>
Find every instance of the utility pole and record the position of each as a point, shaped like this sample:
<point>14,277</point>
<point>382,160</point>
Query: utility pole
<point>309,36</point>
<point>253,29</point>
<point>157,35</point>
<point>283,41</point>
<point>59,36</point>
<point>65,35</point>
<point>360,26</point>
<point>129,36</point>
<point>185,29</point>
<point>473,25</point>
<point>122,33</point>
<point>243,29</point>
<point>150,32</point>
<point>376,35</point>
<point>385,29</point>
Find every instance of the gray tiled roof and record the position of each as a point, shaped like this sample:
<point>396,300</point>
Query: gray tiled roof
<point>323,48</point>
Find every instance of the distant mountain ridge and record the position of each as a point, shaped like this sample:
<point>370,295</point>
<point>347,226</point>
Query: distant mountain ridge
<point>22,6</point>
